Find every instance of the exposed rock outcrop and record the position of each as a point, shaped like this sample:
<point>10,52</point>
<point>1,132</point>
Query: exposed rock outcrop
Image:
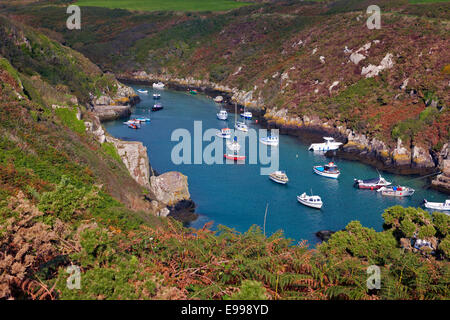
<point>170,188</point>
<point>134,156</point>
<point>442,181</point>
<point>110,112</point>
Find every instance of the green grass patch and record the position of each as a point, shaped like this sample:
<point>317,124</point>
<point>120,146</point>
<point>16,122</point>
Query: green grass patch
<point>426,1</point>
<point>110,149</point>
<point>69,118</point>
<point>165,5</point>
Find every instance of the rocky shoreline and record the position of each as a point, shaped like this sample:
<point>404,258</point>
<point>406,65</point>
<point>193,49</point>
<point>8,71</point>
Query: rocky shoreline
<point>414,160</point>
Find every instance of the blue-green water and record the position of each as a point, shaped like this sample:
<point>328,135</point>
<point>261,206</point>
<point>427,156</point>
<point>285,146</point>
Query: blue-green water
<point>236,195</point>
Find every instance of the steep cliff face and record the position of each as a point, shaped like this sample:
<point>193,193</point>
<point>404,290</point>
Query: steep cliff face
<point>134,156</point>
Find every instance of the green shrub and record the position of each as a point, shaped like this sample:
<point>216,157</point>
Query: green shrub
<point>66,201</point>
<point>69,119</point>
<point>249,290</point>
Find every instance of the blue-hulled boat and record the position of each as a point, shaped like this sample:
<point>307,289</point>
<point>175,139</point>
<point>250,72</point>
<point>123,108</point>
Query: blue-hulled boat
<point>329,170</point>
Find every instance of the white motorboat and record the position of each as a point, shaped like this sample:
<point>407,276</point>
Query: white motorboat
<point>222,115</point>
<point>310,201</point>
<point>218,99</point>
<point>133,121</point>
<point>329,144</point>
<point>443,206</point>
<point>158,85</point>
<point>270,140</point>
<point>224,133</point>
<point>329,170</point>
<point>233,146</point>
<point>396,191</point>
<point>142,91</point>
<point>246,115</point>
<point>241,126</point>
<point>279,177</point>
<point>156,96</point>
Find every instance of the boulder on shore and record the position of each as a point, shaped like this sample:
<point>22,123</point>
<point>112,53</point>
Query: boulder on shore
<point>170,188</point>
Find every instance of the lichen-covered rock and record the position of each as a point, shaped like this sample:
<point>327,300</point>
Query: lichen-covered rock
<point>170,187</point>
<point>422,158</point>
<point>401,155</point>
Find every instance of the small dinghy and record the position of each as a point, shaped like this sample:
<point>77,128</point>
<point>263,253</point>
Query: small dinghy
<point>396,191</point>
<point>158,85</point>
<point>133,126</point>
<point>234,157</point>
<point>218,99</point>
<point>156,96</point>
<point>246,115</point>
<point>157,107</point>
<point>329,170</point>
<point>279,177</point>
<point>233,146</point>
<point>329,144</point>
<point>142,91</point>
<point>241,126</point>
<point>372,184</point>
<point>310,201</point>
<point>224,133</point>
<point>443,206</point>
<point>193,91</point>
<point>270,140</point>
<point>222,115</point>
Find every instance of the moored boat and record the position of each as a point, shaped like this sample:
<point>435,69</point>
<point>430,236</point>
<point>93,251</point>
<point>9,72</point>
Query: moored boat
<point>156,96</point>
<point>442,206</point>
<point>270,140</point>
<point>329,144</point>
<point>246,115</point>
<point>158,85</point>
<point>329,170</point>
<point>132,121</point>
<point>222,115</point>
<point>310,201</point>
<point>143,119</point>
<point>157,107</point>
<point>234,157</point>
<point>133,126</point>
<point>193,91</point>
<point>142,91</point>
<point>233,146</point>
<point>241,126</point>
<point>372,184</point>
<point>396,191</point>
<point>224,133</point>
<point>279,177</point>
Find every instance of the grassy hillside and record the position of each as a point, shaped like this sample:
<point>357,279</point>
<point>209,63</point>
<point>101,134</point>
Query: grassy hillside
<point>165,5</point>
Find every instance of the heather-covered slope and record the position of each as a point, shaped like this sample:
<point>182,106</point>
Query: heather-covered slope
<point>309,65</point>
